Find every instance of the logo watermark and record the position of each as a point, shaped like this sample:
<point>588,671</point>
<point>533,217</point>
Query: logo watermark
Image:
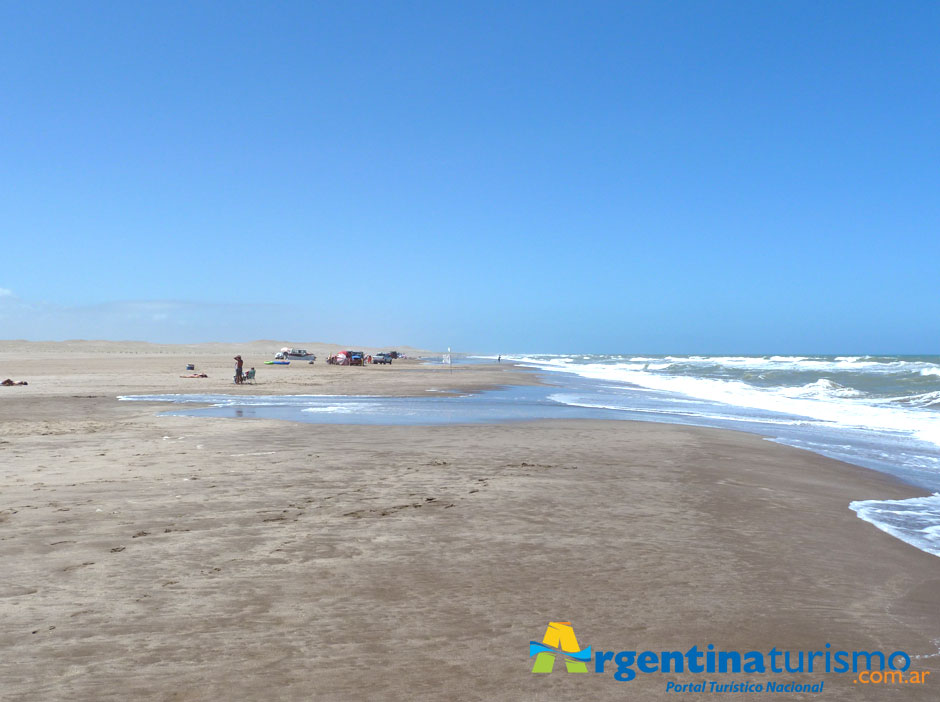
<point>868,667</point>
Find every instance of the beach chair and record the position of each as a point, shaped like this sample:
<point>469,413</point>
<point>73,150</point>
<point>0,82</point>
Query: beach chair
<point>250,376</point>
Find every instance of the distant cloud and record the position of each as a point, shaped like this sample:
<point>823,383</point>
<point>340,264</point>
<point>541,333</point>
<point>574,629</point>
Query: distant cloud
<point>6,292</point>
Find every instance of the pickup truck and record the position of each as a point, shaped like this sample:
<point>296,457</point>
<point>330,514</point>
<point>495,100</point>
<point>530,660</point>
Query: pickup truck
<point>382,358</point>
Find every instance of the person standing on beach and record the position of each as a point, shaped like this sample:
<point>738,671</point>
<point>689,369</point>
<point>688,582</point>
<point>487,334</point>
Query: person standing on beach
<point>499,359</point>
<point>238,370</point>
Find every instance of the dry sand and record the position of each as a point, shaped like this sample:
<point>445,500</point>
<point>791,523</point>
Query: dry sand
<point>172,558</point>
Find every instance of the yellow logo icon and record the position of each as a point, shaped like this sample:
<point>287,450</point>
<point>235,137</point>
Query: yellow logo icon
<point>559,640</point>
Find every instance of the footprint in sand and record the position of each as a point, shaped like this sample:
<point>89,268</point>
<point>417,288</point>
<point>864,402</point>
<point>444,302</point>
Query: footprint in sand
<point>77,566</point>
<point>16,590</point>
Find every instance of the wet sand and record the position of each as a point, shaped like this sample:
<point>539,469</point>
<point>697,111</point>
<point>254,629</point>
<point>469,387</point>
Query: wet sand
<point>178,558</point>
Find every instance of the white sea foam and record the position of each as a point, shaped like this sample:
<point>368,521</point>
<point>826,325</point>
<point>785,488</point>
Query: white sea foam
<point>822,400</point>
<point>822,389</point>
<point>758,363</point>
<point>925,399</point>
<point>345,408</point>
<point>915,521</point>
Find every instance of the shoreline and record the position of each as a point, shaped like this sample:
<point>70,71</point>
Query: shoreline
<point>410,379</point>
<point>190,559</point>
<point>104,360</point>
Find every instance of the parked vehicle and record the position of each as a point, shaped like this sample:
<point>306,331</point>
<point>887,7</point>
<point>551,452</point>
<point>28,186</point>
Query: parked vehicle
<point>287,354</point>
<point>382,358</point>
<point>347,358</point>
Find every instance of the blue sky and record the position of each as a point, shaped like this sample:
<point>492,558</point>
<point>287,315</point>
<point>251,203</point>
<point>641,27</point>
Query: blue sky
<point>507,176</point>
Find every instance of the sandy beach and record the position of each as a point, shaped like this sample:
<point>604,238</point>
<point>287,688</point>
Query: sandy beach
<point>179,558</point>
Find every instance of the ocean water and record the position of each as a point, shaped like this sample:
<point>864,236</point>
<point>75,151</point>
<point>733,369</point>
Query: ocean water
<point>881,412</point>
